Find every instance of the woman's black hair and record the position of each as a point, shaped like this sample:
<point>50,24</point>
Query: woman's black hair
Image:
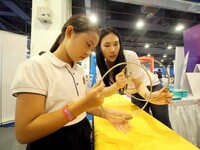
<point>81,23</point>
<point>101,60</point>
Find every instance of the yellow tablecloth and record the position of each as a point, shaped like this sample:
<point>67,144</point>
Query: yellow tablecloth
<point>147,133</point>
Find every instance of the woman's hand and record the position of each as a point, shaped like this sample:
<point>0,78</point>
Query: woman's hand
<point>117,119</point>
<point>95,95</point>
<point>161,97</point>
<point>121,80</point>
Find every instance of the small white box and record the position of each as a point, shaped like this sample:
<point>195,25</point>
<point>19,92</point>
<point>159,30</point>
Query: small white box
<point>44,14</point>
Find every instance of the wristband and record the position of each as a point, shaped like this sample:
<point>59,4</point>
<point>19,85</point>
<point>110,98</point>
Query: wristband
<point>67,114</point>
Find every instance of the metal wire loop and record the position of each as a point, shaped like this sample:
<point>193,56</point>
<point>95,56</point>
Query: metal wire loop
<point>128,117</point>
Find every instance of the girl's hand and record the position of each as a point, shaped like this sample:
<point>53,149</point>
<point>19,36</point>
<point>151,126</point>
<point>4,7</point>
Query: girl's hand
<point>121,80</point>
<point>161,97</point>
<point>95,96</point>
<point>117,119</point>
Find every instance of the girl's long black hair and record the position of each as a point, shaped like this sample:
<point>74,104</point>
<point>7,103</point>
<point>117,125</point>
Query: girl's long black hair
<point>81,23</point>
<point>101,60</point>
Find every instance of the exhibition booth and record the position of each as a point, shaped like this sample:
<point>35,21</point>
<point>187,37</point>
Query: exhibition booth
<point>184,112</point>
<point>147,133</point>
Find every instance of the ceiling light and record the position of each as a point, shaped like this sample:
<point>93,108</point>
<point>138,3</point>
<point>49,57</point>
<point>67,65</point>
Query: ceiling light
<point>162,60</point>
<point>169,47</point>
<point>148,55</point>
<point>180,27</point>
<point>93,18</point>
<point>140,24</point>
<point>149,15</point>
<point>146,46</point>
<point>164,56</point>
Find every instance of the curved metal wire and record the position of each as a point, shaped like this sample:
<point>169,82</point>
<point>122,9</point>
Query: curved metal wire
<point>149,98</point>
<point>141,66</point>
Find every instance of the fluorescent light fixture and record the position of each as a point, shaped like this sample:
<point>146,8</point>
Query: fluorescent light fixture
<point>93,18</point>
<point>140,24</point>
<point>169,47</point>
<point>146,46</point>
<point>180,27</point>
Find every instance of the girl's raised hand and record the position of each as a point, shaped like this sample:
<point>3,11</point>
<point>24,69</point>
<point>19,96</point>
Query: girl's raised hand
<point>95,95</point>
<point>117,119</point>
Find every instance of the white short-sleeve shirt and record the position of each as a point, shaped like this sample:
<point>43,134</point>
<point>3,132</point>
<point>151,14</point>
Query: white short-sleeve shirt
<point>135,71</point>
<point>49,76</point>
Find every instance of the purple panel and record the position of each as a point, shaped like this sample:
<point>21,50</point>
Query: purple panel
<point>192,44</point>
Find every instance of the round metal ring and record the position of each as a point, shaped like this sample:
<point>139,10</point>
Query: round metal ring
<point>149,98</point>
<point>133,63</point>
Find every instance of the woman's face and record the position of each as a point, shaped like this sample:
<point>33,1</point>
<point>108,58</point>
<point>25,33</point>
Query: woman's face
<point>110,47</point>
<point>80,45</point>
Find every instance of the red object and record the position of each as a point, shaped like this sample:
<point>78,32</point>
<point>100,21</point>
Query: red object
<point>149,59</point>
<point>67,114</point>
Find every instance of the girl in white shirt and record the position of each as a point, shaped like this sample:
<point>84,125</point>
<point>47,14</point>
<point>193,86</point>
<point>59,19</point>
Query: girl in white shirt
<point>50,89</point>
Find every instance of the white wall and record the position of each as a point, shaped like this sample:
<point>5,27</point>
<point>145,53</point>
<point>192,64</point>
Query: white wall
<point>43,35</point>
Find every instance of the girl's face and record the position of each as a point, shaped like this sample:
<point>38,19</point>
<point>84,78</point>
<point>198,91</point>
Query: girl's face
<point>80,45</point>
<point>110,47</point>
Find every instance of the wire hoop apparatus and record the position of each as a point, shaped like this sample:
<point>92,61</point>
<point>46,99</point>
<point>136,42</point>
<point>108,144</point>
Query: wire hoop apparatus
<point>128,117</point>
<point>149,76</point>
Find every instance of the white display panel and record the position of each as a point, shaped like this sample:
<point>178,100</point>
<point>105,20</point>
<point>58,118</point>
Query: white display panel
<point>12,53</point>
<point>197,68</point>
<point>191,82</point>
<point>178,66</point>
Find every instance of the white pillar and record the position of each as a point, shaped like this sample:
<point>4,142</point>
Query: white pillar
<point>168,70</point>
<point>43,35</point>
<point>178,66</point>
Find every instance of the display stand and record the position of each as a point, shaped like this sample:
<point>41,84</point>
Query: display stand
<point>12,53</point>
<point>178,66</point>
<point>197,68</point>
<point>191,82</point>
